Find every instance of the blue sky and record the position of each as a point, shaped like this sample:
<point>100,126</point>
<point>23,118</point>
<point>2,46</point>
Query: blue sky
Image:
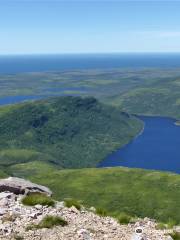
<point>30,26</point>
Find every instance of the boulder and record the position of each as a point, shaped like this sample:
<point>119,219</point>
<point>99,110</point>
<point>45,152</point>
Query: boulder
<point>21,186</point>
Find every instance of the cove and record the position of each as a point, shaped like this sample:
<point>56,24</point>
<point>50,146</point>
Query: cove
<point>156,148</point>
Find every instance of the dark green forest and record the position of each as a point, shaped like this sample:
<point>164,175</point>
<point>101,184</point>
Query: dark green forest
<point>70,132</point>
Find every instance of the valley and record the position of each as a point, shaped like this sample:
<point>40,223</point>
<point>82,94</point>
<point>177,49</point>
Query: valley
<point>56,124</point>
<point>89,120</point>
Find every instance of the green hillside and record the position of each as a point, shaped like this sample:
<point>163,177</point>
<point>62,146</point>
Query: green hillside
<point>157,101</point>
<point>133,191</point>
<point>71,132</point>
<point>159,95</point>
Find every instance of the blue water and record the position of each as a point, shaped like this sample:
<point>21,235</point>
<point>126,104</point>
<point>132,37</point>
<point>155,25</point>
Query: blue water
<point>17,99</point>
<point>158,147</point>
<point>40,63</point>
<point>22,98</point>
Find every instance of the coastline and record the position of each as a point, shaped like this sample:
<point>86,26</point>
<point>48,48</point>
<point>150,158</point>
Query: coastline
<point>125,144</point>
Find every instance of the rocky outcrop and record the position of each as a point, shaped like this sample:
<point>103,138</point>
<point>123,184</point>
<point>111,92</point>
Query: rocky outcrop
<point>21,186</point>
<point>83,224</point>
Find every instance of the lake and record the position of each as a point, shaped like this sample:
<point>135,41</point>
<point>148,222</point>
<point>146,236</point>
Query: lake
<point>158,147</point>
<point>17,99</point>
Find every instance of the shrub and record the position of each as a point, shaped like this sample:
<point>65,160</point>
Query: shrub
<point>51,221</point>
<point>161,226</point>
<point>38,198</point>
<point>18,237</point>
<point>124,218</point>
<point>175,235</point>
<point>30,227</point>
<point>101,212</point>
<point>48,222</point>
<point>72,202</point>
<point>171,223</point>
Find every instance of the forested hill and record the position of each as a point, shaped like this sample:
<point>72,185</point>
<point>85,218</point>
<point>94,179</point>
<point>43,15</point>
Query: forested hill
<point>71,132</point>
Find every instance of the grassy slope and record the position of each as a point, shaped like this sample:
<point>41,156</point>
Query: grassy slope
<point>69,131</point>
<point>134,191</point>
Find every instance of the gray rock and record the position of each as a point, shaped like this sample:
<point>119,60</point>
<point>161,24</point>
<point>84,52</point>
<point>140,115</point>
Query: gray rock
<point>169,238</point>
<point>21,186</point>
<point>73,210</point>
<point>38,206</point>
<point>5,195</point>
<point>84,234</point>
<point>177,229</point>
<point>92,209</point>
<point>3,202</point>
<point>60,205</point>
<point>2,211</point>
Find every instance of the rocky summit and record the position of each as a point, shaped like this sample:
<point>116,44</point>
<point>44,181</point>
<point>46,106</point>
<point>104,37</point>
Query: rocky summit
<point>16,221</point>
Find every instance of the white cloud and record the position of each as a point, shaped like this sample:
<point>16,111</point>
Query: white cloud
<point>156,33</point>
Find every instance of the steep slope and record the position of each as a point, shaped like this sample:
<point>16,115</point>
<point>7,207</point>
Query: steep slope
<point>30,218</point>
<point>71,132</point>
<point>133,191</point>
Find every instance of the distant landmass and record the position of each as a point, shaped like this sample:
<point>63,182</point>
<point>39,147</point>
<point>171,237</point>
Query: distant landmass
<point>143,91</point>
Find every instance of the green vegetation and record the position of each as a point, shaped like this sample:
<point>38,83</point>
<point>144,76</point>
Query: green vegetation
<point>49,222</point>
<point>161,226</point>
<point>39,139</point>
<point>175,235</point>
<point>147,91</point>
<point>124,218</point>
<point>69,202</point>
<point>69,132</point>
<point>38,198</point>
<point>117,190</point>
<point>3,174</point>
<point>154,100</point>
<point>18,237</point>
<point>168,225</point>
<point>101,212</point>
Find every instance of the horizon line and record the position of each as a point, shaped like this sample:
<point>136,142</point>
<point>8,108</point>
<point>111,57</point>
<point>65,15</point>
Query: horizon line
<point>88,53</point>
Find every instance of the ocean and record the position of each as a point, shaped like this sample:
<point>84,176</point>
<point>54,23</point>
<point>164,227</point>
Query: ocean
<point>40,63</point>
